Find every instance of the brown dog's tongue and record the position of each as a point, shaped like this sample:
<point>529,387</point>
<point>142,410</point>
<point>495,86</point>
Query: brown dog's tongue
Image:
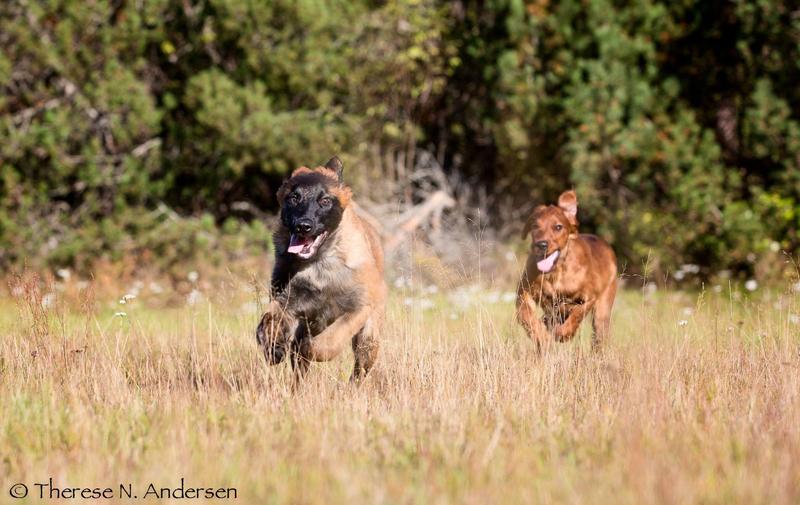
<point>546,264</point>
<point>297,244</point>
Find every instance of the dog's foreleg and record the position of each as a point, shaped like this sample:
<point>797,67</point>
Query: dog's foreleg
<point>566,330</point>
<point>328,344</point>
<point>526,316</point>
<point>273,333</point>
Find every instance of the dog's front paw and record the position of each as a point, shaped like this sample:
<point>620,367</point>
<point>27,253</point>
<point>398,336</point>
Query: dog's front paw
<point>563,332</point>
<point>270,336</point>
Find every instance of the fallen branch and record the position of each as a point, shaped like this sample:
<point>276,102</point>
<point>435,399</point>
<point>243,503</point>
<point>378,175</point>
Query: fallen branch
<point>415,216</point>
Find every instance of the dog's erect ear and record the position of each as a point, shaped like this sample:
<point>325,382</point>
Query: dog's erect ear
<point>336,165</point>
<point>568,202</point>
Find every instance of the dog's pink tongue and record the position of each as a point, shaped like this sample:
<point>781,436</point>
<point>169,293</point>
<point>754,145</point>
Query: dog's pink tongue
<point>297,244</point>
<point>546,264</point>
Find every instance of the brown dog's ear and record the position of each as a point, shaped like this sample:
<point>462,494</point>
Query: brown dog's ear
<point>336,165</point>
<point>568,202</point>
<point>531,221</point>
<point>527,228</point>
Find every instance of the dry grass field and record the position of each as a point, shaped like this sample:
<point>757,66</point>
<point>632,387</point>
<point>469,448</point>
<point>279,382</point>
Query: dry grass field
<point>696,400</point>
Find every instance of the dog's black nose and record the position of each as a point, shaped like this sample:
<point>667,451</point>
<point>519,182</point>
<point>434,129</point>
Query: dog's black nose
<point>303,227</point>
<point>542,244</point>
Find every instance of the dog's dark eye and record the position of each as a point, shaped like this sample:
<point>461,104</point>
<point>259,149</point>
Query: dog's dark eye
<point>326,201</point>
<point>293,199</point>
<point>558,227</point>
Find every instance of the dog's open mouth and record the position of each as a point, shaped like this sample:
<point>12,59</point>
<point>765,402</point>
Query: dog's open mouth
<point>545,265</point>
<point>305,247</point>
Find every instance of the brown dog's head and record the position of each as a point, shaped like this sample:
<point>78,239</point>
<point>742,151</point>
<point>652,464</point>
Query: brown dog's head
<point>550,228</point>
<point>312,205</point>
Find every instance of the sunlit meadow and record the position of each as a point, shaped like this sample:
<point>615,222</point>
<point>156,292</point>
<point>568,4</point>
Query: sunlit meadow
<point>695,400</point>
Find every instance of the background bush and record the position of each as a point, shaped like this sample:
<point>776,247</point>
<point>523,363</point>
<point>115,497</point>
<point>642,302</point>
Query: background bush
<point>678,122</point>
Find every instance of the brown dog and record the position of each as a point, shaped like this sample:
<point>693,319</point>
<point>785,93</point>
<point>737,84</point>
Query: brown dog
<point>567,274</point>
<point>327,283</point>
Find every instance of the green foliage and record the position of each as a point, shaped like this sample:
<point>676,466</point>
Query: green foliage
<point>677,122</point>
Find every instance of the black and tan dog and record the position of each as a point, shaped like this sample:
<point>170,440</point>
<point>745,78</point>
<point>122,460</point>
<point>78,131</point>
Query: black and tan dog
<point>327,284</point>
<point>567,274</point>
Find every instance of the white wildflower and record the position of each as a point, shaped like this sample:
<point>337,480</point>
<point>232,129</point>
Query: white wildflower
<point>751,285</point>
<point>250,308</point>
<point>687,311</point>
<point>690,268</point>
<point>682,323</point>
<point>64,273</point>
<point>193,276</point>
<point>679,275</point>
<point>48,300</point>
<point>194,297</point>
<point>120,314</point>
<point>464,296</point>
<point>402,282</point>
<point>794,318</point>
<point>426,303</point>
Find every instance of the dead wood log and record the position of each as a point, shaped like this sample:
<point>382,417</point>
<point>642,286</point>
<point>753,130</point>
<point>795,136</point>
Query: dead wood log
<point>414,217</point>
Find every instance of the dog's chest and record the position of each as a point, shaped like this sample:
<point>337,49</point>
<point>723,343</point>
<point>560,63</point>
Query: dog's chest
<point>559,296</point>
<point>323,291</point>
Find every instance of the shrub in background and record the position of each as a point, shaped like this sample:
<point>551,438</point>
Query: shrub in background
<point>677,122</point>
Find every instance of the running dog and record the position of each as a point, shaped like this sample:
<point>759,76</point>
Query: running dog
<point>567,274</point>
<point>327,284</point>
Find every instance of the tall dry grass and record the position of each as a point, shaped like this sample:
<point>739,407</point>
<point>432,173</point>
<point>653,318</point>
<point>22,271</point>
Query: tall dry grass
<point>459,410</point>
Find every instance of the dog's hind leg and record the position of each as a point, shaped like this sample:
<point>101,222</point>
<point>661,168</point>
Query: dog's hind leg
<point>601,321</point>
<point>366,344</point>
<point>329,343</point>
<point>299,368</point>
<point>299,362</point>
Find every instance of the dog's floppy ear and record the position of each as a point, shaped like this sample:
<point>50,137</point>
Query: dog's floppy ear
<point>531,221</point>
<point>282,191</point>
<point>336,165</point>
<point>568,202</point>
